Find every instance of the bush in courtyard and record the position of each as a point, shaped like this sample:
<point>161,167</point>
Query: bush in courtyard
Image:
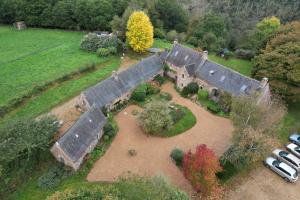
<point>140,93</point>
<point>200,169</point>
<point>165,96</point>
<point>53,176</point>
<point>191,88</point>
<point>109,130</point>
<point>103,52</point>
<point>177,156</point>
<point>177,114</point>
<point>156,118</point>
<point>92,42</point>
<point>152,89</point>
<point>203,95</point>
<point>158,78</point>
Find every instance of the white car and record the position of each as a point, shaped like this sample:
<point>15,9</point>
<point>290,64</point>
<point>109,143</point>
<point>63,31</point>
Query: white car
<point>295,149</point>
<point>282,169</point>
<point>288,158</point>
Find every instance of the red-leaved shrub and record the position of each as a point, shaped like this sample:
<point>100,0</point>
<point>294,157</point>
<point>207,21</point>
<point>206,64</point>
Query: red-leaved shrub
<point>200,169</point>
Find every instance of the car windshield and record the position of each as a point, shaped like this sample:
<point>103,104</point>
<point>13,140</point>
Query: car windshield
<point>298,138</point>
<point>276,163</point>
<point>283,153</point>
<point>295,175</point>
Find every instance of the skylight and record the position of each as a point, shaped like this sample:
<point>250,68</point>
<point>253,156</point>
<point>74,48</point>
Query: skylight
<point>186,57</point>
<point>222,78</point>
<point>176,53</point>
<point>243,88</point>
<point>211,72</point>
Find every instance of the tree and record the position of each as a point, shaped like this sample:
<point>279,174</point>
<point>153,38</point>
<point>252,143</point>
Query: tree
<point>280,62</point>
<point>156,117</point>
<point>200,169</point>
<point>25,139</point>
<point>265,29</point>
<point>208,32</point>
<point>171,14</point>
<point>139,31</point>
<point>256,130</point>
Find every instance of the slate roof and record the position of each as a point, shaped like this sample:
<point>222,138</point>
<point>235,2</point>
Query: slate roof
<point>181,56</point>
<point>226,79</point>
<point>215,74</point>
<point>85,130</point>
<point>112,88</point>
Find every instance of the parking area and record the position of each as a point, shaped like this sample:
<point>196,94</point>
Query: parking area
<point>264,184</point>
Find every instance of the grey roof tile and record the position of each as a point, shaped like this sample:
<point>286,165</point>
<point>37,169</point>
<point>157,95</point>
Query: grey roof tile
<point>85,130</point>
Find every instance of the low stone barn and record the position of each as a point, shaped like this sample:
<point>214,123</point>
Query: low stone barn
<point>80,139</point>
<point>187,65</point>
<point>119,86</point>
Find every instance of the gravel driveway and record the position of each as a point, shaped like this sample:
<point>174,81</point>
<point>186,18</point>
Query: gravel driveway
<point>153,152</point>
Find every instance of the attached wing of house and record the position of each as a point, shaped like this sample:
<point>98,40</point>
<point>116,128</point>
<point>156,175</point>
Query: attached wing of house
<point>119,84</point>
<point>80,139</point>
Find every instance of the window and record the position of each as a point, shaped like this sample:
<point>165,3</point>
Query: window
<point>181,84</point>
<point>291,161</point>
<point>182,75</point>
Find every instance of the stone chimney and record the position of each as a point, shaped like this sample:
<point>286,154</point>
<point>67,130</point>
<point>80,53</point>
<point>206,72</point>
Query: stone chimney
<point>115,75</point>
<point>175,42</point>
<point>263,82</point>
<point>205,55</point>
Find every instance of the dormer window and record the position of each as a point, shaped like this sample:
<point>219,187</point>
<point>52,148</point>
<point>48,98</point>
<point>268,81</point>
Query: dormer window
<point>243,88</point>
<point>186,57</point>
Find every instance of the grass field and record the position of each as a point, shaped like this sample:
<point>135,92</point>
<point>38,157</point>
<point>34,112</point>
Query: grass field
<point>33,57</point>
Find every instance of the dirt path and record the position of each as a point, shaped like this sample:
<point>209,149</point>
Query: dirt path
<point>152,152</point>
<point>264,184</point>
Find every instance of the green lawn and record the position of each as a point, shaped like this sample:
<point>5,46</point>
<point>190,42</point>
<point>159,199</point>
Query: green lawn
<point>52,97</point>
<point>184,124</point>
<point>290,123</point>
<point>34,56</point>
<point>242,66</point>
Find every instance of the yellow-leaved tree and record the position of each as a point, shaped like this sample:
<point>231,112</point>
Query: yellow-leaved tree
<point>139,31</point>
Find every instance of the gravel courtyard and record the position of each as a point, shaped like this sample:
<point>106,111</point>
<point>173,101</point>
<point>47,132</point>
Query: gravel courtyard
<point>153,152</point>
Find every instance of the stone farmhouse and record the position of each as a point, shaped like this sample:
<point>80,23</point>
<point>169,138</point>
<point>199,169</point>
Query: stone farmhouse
<point>84,135</point>
<point>186,66</point>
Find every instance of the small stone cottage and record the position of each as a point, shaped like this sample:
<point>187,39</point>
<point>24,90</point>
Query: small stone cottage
<point>187,65</point>
<point>20,25</point>
<point>80,139</point>
<point>119,86</point>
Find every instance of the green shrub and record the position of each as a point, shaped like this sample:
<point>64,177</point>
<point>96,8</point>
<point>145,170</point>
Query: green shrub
<point>177,114</point>
<point>112,50</point>
<point>159,33</point>
<point>177,156</point>
<point>165,96</point>
<point>229,170</point>
<point>159,79</point>
<point>191,88</point>
<point>213,107</point>
<point>92,42</point>
<point>53,176</point>
<point>172,36</point>
<point>152,89</point>
<point>203,95</point>
<point>102,52</point>
<point>140,93</point>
